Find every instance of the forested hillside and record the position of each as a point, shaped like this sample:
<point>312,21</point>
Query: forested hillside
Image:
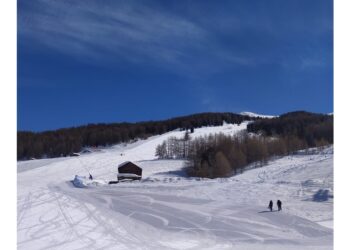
<point>63,142</point>
<point>221,156</point>
<point>310,128</point>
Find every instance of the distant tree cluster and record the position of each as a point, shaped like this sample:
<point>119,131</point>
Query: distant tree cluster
<point>174,148</point>
<point>221,155</point>
<point>63,142</point>
<point>311,129</point>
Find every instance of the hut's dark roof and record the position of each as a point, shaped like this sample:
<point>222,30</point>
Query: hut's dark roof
<point>124,163</point>
<point>129,167</point>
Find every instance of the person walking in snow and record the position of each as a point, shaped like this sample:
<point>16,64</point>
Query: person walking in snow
<point>279,205</point>
<point>90,176</point>
<point>270,205</point>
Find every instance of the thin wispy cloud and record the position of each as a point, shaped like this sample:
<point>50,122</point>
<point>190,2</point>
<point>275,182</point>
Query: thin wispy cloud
<point>142,33</point>
<point>126,31</point>
<point>90,29</point>
<point>307,63</point>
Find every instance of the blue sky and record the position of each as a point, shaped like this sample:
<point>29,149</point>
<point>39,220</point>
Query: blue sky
<point>96,61</point>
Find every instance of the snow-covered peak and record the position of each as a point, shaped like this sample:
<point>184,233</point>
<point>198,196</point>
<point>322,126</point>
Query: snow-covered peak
<point>251,114</point>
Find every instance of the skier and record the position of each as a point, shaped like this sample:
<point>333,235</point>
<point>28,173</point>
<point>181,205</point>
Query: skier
<point>279,205</point>
<point>90,176</point>
<point>270,205</point>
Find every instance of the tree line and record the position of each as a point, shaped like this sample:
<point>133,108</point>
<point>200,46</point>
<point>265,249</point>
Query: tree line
<point>63,142</point>
<point>174,148</point>
<point>222,156</point>
<point>313,129</point>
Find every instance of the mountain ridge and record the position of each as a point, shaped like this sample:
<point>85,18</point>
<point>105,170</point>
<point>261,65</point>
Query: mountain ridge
<point>65,141</point>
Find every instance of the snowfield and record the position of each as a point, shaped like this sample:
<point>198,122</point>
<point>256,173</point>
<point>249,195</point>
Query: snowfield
<point>251,114</point>
<point>167,209</point>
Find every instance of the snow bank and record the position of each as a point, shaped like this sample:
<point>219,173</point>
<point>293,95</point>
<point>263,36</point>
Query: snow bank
<point>83,182</point>
<point>126,175</point>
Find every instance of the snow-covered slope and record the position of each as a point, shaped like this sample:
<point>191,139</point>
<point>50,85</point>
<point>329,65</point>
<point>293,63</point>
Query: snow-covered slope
<point>251,114</point>
<point>167,210</point>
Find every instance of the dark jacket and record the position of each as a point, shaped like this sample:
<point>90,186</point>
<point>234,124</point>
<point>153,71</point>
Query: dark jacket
<point>270,205</point>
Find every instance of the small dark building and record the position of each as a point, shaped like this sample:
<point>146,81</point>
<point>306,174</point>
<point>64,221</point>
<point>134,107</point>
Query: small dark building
<point>129,170</point>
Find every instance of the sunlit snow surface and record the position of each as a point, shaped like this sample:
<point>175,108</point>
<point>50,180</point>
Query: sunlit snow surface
<point>167,210</point>
<point>251,114</point>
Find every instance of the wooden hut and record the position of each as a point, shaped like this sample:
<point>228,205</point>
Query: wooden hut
<point>129,170</point>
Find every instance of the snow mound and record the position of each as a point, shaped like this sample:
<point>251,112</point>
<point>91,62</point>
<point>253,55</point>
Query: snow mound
<point>126,175</point>
<point>83,182</point>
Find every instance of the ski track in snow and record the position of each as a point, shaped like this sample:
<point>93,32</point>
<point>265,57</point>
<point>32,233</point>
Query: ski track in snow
<point>167,210</point>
